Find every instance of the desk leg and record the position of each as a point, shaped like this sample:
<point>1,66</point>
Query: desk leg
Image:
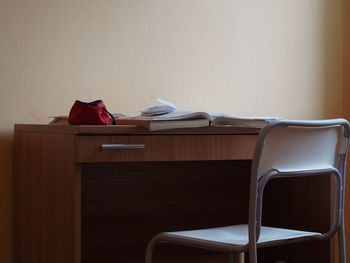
<point>47,218</point>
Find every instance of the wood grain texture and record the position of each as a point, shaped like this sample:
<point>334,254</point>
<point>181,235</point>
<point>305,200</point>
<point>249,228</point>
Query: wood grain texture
<point>127,129</point>
<point>167,148</point>
<point>46,199</point>
<point>298,203</point>
<point>45,128</point>
<point>124,205</point>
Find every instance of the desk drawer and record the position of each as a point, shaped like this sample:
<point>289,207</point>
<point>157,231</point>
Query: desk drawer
<point>121,148</point>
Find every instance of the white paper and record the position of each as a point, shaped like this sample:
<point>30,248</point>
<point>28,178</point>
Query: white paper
<point>158,109</point>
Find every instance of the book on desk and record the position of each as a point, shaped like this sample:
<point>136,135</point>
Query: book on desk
<point>191,119</point>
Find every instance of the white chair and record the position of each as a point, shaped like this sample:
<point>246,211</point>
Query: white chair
<point>284,148</point>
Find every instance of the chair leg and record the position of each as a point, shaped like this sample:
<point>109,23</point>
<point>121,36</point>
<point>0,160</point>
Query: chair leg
<point>235,257</point>
<point>253,256</point>
<point>149,250</point>
<point>341,243</point>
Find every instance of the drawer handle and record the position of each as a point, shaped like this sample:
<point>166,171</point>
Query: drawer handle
<point>122,146</point>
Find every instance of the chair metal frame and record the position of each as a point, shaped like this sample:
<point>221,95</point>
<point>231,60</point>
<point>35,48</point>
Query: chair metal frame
<point>259,182</point>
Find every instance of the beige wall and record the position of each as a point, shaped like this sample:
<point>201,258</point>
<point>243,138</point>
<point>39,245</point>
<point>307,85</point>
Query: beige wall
<point>271,57</point>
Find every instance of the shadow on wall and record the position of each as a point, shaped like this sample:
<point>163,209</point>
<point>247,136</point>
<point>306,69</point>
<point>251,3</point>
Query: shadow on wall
<point>332,59</point>
<point>6,165</point>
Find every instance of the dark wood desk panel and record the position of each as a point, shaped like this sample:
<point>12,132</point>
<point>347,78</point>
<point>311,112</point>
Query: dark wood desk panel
<point>75,204</point>
<point>124,205</point>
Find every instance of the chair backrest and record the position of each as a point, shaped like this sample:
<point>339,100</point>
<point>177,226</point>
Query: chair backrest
<point>298,148</point>
<point>301,146</point>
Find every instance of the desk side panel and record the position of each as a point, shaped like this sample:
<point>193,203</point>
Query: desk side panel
<point>46,199</point>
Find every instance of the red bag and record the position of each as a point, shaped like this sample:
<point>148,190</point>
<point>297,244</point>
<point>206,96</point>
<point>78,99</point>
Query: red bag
<point>90,113</point>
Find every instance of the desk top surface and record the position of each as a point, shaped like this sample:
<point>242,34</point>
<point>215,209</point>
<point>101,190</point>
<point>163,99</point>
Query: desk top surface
<point>128,129</point>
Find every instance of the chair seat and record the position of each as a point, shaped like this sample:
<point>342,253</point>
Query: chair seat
<point>235,237</point>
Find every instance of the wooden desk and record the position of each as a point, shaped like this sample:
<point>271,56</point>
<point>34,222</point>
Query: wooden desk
<point>74,202</point>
